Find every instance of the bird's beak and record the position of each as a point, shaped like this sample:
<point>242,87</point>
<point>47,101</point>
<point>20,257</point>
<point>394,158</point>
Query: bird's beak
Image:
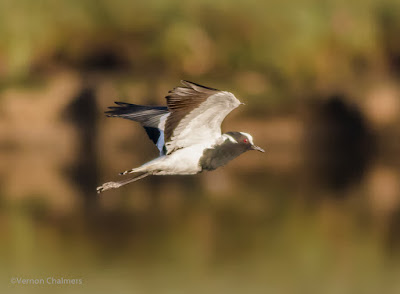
<point>254,147</point>
<point>241,103</point>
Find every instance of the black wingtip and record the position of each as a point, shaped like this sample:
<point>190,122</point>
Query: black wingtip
<point>113,110</point>
<point>194,85</point>
<point>121,103</point>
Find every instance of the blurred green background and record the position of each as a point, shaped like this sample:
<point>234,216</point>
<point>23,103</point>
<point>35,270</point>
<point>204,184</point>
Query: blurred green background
<point>318,213</point>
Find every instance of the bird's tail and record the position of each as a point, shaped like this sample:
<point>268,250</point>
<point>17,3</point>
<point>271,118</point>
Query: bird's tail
<point>115,185</point>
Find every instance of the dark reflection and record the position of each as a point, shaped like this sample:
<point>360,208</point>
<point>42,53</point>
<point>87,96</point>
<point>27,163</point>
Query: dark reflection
<point>393,236</point>
<point>82,112</point>
<point>339,144</point>
<point>103,58</point>
<point>387,20</point>
<point>96,57</point>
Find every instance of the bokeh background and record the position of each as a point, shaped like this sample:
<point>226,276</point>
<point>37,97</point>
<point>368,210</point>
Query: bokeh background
<point>319,212</point>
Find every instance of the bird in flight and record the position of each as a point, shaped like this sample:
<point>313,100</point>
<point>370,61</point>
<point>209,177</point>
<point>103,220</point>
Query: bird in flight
<point>187,132</point>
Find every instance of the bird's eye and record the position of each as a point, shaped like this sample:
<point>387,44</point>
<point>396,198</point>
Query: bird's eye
<point>246,141</point>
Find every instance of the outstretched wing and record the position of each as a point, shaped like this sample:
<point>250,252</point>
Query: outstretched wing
<point>152,118</point>
<point>196,114</point>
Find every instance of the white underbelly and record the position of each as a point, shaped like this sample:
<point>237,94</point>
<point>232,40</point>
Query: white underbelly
<point>182,162</point>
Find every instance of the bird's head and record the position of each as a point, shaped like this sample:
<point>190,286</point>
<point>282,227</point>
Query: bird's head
<point>243,139</point>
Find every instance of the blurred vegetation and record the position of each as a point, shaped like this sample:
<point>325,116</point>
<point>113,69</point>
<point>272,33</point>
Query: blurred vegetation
<point>319,213</point>
<point>279,48</point>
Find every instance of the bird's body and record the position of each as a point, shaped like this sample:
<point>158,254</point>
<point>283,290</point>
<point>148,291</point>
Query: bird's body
<point>187,132</point>
<point>181,162</point>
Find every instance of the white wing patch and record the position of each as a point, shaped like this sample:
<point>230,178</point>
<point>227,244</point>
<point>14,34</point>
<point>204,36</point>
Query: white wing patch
<point>163,119</point>
<point>203,124</point>
<point>161,140</point>
<point>160,143</point>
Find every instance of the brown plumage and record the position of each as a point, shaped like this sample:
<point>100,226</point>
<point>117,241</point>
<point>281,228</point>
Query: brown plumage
<point>182,101</point>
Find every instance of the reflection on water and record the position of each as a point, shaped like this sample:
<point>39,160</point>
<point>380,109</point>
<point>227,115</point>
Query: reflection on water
<point>82,114</point>
<point>319,212</point>
<point>339,144</point>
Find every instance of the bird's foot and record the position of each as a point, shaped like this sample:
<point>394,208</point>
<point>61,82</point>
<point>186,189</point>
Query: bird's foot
<point>108,186</point>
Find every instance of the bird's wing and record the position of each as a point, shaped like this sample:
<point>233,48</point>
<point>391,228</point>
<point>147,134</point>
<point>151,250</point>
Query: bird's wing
<point>196,114</point>
<point>152,118</point>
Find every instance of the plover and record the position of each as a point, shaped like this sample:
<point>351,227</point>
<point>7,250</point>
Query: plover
<point>187,132</point>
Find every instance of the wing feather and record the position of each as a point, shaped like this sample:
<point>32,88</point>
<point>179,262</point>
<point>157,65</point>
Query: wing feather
<point>196,114</point>
<point>148,116</point>
<point>152,118</point>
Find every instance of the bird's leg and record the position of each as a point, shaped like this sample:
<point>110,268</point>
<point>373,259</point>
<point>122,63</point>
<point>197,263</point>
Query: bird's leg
<point>115,185</point>
<point>125,172</point>
<point>129,171</point>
